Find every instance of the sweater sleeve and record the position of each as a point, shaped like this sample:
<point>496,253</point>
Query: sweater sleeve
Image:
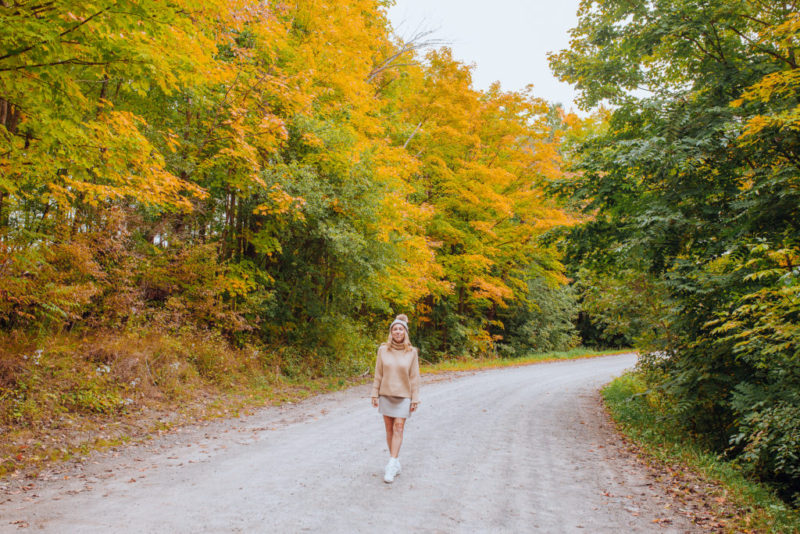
<point>413,377</point>
<point>376,384</point>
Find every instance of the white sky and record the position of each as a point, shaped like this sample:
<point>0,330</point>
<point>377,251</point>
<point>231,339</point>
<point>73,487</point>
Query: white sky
<point>507,40</point>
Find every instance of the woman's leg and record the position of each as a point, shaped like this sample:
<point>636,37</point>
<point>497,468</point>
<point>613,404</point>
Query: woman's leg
<point>397,436</point>
<point>389,423</point>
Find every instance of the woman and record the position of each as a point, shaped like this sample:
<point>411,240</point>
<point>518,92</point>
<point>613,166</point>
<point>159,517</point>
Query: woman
<point>395,391</point>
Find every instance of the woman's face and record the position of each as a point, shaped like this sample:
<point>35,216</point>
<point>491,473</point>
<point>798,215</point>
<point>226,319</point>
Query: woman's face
<point>398,333</point>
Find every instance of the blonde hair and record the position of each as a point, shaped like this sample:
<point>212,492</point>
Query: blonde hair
<point>406,340</point>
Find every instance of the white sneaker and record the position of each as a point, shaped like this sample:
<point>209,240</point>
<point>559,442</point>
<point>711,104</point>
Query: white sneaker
<point>396,466</point>
<point>390,472</point>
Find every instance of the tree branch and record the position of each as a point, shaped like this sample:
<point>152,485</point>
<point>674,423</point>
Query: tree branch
<point>417,42</point>
<point>789,61</point>
<point>73,61</point>
<point>19,52</point>
<point>410,137</point>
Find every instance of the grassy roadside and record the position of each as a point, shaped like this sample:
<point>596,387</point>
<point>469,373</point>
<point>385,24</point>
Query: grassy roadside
<point>472,364</point>
<point>26,450</point>
<point>69,394</point>
<point>739,503</point>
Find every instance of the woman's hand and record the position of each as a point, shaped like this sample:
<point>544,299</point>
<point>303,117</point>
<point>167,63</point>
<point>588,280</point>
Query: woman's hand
<point>414,406</point>
<point>374,402</point>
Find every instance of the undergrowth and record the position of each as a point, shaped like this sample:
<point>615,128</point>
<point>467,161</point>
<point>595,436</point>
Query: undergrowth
<point>69,393</point>
<point>639,413</point>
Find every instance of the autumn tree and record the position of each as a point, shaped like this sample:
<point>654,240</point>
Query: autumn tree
<point>483,157</point>
<point>286,174</point>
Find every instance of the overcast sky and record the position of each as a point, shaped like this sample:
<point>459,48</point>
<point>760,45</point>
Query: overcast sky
<point>507,40</point>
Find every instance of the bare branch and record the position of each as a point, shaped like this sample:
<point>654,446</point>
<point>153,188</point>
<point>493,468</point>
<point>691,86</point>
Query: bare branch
<point>410,137</point>
<point>417,41</point>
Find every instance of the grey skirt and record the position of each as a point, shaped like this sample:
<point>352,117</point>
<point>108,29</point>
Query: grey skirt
<point>394,406</point>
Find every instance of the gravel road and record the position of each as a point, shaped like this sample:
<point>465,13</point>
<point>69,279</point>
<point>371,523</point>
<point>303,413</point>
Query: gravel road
<point>524,449</point>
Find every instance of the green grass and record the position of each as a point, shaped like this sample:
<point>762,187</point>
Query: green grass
<point>637,414</point>
<point>471,364</point>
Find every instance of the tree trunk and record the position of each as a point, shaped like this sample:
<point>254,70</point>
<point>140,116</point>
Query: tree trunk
<point>10,115</point>
<point>3,222</point>
<point>240,219</point>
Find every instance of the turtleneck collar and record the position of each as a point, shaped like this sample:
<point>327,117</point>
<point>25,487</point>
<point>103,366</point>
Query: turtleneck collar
<point>397,346</point>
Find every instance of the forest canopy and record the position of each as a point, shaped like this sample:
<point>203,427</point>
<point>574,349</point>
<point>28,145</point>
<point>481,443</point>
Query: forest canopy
<point>287,174</point>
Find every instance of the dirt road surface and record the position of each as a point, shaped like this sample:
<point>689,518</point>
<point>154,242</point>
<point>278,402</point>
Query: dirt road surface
<point>524,449</point>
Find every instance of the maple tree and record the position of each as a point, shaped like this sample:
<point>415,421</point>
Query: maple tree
<point>482,157</point>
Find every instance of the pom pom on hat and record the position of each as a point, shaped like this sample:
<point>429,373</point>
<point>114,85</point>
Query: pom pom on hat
<point>401,319</point>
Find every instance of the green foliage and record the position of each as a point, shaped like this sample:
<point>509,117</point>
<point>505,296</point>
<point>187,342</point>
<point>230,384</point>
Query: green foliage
<point>92,397</point>
<point>627,307</point>
<point>544,323</point>
<point>332,245</point>
<point>692,196</point>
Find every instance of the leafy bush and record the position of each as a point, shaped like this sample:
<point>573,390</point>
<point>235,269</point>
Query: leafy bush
<point>625,307</point>
<point>544,323</point>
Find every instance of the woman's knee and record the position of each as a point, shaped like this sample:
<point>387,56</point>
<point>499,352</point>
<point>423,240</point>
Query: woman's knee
<point>398,426</point>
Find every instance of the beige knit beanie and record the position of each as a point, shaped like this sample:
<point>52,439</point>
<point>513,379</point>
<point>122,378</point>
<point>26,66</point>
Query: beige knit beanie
<point>401,319</point>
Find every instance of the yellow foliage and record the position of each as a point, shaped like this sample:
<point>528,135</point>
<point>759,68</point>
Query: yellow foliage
<point>206,104</point>
<point>775,86</point>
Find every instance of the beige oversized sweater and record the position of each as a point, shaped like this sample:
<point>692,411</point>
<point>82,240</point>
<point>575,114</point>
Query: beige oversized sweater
<point>396,373</point>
